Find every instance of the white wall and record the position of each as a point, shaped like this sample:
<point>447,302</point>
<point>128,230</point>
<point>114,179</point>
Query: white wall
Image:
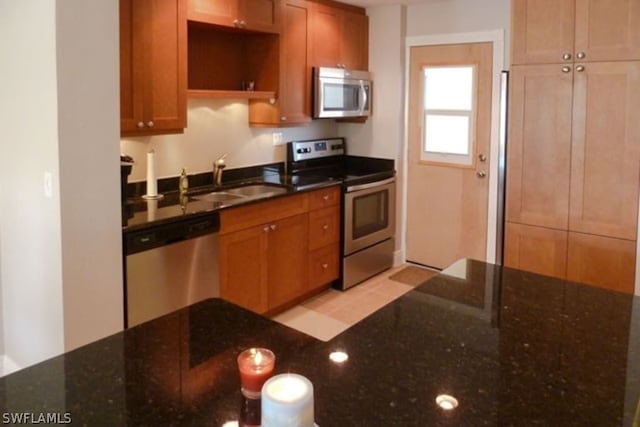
<point>30,222</point>
<point>60,262</point>
<point>460,16</point>
<point>381,136</point>
<point>216,127</point>
<point>88,55</point>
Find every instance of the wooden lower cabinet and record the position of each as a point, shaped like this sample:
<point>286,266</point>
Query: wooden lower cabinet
<point>274,253</point>
<point>536,249</point>
<point>602,261</point>
<point>243,268</point>
<point>286,260</point>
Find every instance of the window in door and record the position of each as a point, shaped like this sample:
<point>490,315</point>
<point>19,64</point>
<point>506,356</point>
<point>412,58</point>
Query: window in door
<point>448,114</point>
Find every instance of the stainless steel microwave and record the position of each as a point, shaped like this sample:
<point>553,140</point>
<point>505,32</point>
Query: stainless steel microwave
<point>341,93</point>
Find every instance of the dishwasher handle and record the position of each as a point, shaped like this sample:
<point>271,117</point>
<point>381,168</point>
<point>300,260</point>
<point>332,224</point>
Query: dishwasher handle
<point>172,232</point>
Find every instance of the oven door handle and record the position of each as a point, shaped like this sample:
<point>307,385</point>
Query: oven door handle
<point>370,185</point>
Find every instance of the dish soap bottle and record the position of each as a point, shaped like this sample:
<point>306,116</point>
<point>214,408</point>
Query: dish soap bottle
<point>183,184</point>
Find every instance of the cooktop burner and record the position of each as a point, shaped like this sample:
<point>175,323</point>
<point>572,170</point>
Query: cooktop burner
<point>312,161</point>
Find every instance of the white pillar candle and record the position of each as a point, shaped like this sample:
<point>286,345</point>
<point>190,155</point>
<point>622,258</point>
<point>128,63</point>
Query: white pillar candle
<point>152,183</point>
<point>287,401</point>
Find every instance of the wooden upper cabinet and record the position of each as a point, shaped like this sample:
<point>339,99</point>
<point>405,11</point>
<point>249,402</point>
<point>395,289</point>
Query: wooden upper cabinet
<point>539,146</point>
<point>339,37</point>
<point>255,15</point>
<point>605,158</point>
<point>542,31</point>
<point>292,104</point>
<point>355,44</point>
<point>153,67</point>
<point>555,31</point>
<point>607,30</point>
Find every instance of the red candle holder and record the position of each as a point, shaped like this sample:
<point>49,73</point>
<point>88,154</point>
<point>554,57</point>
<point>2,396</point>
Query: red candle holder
<point>255,366</point>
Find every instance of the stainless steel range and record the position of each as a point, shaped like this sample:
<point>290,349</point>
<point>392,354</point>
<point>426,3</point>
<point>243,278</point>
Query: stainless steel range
<point>368,202</point>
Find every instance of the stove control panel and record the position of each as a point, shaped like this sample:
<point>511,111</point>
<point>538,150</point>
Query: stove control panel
<point>315,149</point>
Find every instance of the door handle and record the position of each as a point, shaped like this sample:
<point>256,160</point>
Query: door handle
<point>482,157</point>
<point>481,174</point>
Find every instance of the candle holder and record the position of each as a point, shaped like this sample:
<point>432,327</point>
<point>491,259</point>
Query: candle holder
<point>255,366</point>
<point>287,401</point>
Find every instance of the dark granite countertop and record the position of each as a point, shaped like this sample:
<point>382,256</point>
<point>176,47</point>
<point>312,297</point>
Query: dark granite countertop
<point>515,349</point>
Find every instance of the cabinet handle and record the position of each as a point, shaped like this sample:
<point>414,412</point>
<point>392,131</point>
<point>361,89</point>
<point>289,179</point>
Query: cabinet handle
<point>150,123</point>
<point>566,69</point>
<point>272,227</point>
<point>325,227</point>
<point>325,266</point>
<point>283,118</point>
<point>243,23</point>
<point>236,23</point>
<point>325,197</point>
<point>265,228</point>
<point>580,68</point>
<point>140,125</point>
<point>581,55</point>
<point>566,56</point>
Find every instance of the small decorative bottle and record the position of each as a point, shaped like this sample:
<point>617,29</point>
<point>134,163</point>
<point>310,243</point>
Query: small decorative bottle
<point>184,181</point>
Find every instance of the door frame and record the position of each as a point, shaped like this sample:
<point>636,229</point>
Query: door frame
<point>495,214</point>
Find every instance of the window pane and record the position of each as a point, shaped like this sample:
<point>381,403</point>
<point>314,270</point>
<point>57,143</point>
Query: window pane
<point>448,88</point>
<point>446,134</point>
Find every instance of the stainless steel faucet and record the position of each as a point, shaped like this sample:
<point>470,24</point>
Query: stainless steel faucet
<point>218,166</point>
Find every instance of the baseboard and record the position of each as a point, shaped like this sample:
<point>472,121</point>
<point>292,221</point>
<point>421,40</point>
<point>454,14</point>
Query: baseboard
<point>8,365</point>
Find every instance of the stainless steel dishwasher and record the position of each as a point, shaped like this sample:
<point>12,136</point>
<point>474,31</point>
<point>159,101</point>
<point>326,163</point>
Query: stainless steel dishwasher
<point>170,266</point>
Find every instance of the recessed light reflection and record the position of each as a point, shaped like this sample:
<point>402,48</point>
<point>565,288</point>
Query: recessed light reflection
<point>338,357</point>
<point>447,402</point>
<point>230,424</point>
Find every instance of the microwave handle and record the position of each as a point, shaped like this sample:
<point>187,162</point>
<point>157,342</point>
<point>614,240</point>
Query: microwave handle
<point>363,97</point>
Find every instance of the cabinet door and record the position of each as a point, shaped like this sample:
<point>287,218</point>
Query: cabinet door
<point>153,65</point>
<point>243,268</point>
<point>539,146</point>
<point>131,78</point>
<point>602,261</point>
<point>542,31</point>
<point>295,80</point>
<point>287,260</point>
<point>355,41</point>
<point>220,12</point>
<point>536,249</point>
<point>260,15</point>
<point>326,36</point>
<point>607,30</point>
<point>605,157</point>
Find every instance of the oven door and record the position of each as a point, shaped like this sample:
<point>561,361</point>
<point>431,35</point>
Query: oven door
<point>369,211</point>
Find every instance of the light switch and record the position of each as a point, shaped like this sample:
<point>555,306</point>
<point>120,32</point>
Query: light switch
<point>277,138</point>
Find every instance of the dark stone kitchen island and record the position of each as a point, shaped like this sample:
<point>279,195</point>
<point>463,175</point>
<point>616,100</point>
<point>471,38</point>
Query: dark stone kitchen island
<point>513,348</point>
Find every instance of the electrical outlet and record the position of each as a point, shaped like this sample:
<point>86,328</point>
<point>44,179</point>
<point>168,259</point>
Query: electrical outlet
<point>48,184</point>
<point>277,138</point>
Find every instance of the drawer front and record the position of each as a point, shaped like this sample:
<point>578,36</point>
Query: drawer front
<point>323,265</point>
<point>323,198</point>
<point>254,214</point>
<point>324,227</point>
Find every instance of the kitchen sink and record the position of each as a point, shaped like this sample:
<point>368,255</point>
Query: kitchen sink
<point>238,194</point>
<point>219,196</point>
<point>257,190</point>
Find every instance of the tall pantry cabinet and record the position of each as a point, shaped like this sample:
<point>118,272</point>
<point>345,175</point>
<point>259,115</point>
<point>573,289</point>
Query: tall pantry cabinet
<point>573,166</point>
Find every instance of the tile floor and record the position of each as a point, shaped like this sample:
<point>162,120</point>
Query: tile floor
<point>331,312</point>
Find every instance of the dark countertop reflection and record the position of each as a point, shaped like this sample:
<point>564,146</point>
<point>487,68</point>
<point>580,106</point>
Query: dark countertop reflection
<point>514,348</point>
